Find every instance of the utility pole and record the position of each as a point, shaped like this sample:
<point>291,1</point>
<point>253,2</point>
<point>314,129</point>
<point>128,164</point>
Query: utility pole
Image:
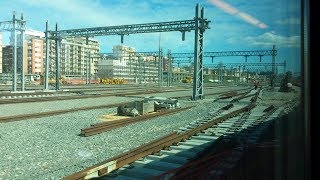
<point>87,60</point>
<point>14,83</point>
<point>160,62</point>
<point>22,56</point>
<point>140,69</point>
<point>90,61</point>
<point>57,39</point>
<point>169,69</point>
<point>46,83</point>
<point>160,67</point>
<point>274,53</point>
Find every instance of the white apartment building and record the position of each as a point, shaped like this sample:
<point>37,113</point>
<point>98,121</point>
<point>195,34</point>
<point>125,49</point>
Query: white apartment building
<point>74,57</point>
<point>126,64</point>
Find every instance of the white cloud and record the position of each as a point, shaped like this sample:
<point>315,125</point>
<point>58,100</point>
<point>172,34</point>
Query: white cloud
<point>292,21</point>
<point>228,8</point>
<point>268,39</point>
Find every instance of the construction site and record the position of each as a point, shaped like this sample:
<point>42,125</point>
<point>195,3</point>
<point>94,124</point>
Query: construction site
<point>70,111</point>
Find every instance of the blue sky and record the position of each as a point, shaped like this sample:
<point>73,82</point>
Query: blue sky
<point>228,31</point>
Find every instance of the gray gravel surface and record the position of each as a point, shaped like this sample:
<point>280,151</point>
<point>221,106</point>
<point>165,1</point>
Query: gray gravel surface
<point>51,148</point>
<point>189,93</point>
<point>35,107</point>
<point>287,100</point>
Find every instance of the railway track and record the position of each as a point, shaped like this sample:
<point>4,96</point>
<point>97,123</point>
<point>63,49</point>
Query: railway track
<point>232,94</point>
<point>52,113</point>
<point>209,125</point>
<point>71,97</point>
<point>78,87</point>
<point>222,157</point>
<point>27,97</point>
<point>224,93</point>
<point>106,126</point>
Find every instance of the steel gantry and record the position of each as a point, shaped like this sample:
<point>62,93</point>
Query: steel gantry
<point>13,26</point>
<point>229,53</point>
<point>151,53</point>
<point>198,24</point>
<point>246,54</point>
<point>259,53</point>
<point>182,26</point>
<point>220,68</point>
<point>155,54</point>
<point>169,69</point>
<point>246,64</point>
<point>198,54</point>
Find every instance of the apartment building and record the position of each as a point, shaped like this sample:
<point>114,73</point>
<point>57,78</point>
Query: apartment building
<point>126,64</point>
<point>7,59</point>
<point>34,52</point>
<point>74,57</point>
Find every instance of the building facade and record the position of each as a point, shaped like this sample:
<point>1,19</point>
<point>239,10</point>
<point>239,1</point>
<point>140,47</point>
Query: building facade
<point>78,57</point>
<point>7,59</point>
<point>34,52</point>
<point>126,64</point>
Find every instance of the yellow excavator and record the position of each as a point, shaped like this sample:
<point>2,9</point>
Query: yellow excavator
<point>112,81</point>
<point>187,79</point>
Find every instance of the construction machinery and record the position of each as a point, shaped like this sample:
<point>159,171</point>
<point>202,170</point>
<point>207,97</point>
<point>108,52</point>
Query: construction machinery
<point>113,81</point>
<point>187,79</point>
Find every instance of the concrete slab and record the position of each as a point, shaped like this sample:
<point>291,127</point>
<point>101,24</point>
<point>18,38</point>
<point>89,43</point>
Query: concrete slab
<point>205,137</point>
<point>193,143</point>
<point>52,90</point>
<point>141,172</point>
<point>183,129</point>
<point>161,166</point>
<point>167,158</point>
<point>188,148</point>
<point>18,92</point>
<point>119,177</point>
<point>202,141</point>
<point>180,153</point>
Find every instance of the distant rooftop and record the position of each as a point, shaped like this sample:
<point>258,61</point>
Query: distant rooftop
<point>31,32</point>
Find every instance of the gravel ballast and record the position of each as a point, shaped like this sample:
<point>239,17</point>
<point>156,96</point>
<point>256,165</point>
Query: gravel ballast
<point>51,148</point>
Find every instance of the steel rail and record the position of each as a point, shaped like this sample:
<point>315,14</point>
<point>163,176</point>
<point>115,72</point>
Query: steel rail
<point>106,126</point>
<point>214,159</point>
<point>254,98</point>
<point>233,94</point>
<point>59,98</point>
<point>210,94</point>
<point>52,113</point>
<point>111,164</point>
<point>242,97</point>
